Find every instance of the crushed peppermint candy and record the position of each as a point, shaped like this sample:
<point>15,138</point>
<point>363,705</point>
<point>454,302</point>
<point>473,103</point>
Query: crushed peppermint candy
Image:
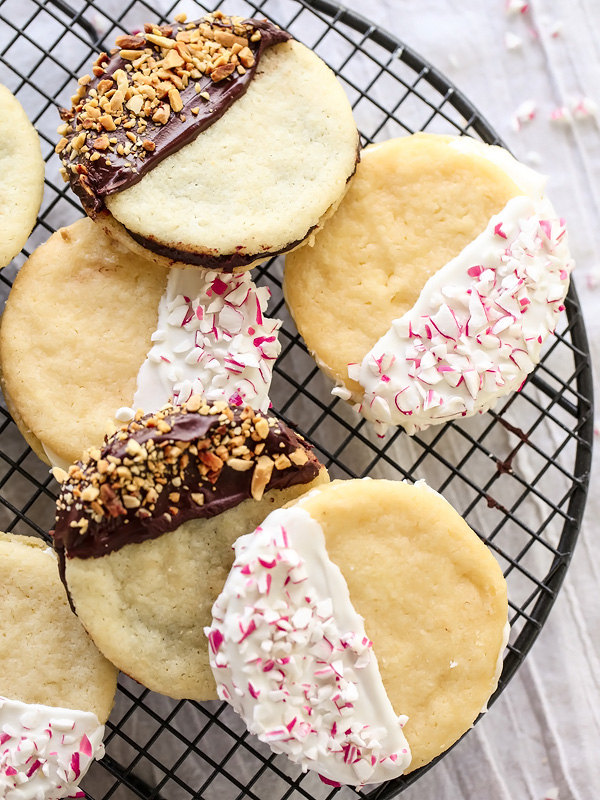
<point>291,655</point>
<point>584,108</point>
<point>561,115</point>
<point>524,113</point>
<point>212,340</point>
<point>514,7</point>
<point>45,751</point>
<point>477,329</point>
<point>512,41</point>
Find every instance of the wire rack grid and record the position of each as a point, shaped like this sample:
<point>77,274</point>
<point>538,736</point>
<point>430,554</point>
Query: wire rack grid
<point>519,475</point>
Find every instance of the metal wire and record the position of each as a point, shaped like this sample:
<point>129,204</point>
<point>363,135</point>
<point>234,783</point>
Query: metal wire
<point>519,475</point>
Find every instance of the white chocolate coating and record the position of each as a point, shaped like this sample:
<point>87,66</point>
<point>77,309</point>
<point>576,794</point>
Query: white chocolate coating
<point>45,751</point>
<point>212,339</point>
<point>291,655</point>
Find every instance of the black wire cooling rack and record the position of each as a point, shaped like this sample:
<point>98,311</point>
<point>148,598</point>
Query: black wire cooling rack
<point>519,475</point>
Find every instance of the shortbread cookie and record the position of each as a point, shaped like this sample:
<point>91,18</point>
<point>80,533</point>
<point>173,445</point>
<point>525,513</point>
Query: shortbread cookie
<point>21,176</point>
<point>56,689</point>
<point>430,292</point>
<point>216,143</point>
<point>146,526</point>
<point>91,330</point>
<point>361,629</point>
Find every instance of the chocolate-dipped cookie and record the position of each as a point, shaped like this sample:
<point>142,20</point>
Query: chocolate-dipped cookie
<point>215,143</point>
<point>145,526</point>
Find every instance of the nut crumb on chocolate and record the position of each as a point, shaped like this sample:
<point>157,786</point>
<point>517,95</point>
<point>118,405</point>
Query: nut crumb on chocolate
<point>148,82</point>
<point>182,462</point>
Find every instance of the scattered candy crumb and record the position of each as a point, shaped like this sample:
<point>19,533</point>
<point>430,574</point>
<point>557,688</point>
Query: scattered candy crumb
<point>514,7</point>
<point>512,41</point>
<point>524,113</point>
<point>592,280</point>
<point>534,158</point>
<point>584,108</point>
<point>556,28</point>
<point>552,793</point>
<point>561,116</point>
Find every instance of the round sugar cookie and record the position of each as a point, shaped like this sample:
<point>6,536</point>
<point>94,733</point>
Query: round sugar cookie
<point>226,170</point>
<point>125,335</point>
<point>74,333</point>
<point>56,689</point>
<point>361,604</point>
<point>21,176</point>
<point>146,524</point>
<point>431,290</point>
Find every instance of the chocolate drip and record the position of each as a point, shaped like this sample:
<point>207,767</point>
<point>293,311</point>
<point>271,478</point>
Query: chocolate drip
<point>177,450</point>
<point>95,180</point>
<point>224,262</point>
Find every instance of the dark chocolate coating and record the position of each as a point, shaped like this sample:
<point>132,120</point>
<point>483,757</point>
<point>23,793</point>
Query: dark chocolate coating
<point>222,490</point>
<point>224,262</point>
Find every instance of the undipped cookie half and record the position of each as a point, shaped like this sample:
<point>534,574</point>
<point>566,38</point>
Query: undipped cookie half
<point>215,143</point>
<point>362,604</point>
<point>56,689</point>
<point>21,176</point>
<point>146,523</point>
<point>429,294</point>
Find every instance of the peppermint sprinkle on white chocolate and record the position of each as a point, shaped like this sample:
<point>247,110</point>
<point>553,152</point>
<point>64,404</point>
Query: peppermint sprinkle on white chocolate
<point>477,328</point>
<point>291,655</point>
<point>212,340</point>
<point>45,751</point>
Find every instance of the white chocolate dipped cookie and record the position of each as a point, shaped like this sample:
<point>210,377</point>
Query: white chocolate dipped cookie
<point>431,291</point>
<point>361,605</point>
<point>56,689</point>
<point>145,526</point>
<point>21,176</point>
<point>90,330</point>
<point>245,142</point>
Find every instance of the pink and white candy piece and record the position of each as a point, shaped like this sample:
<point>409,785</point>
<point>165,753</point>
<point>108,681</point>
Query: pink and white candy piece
<point>45,751</point>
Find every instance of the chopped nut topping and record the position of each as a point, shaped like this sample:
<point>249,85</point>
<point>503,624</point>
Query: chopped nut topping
<point>175,100</point>
<point>130,42</point>
<point>262,427</point>
<point>261,476</point>
<point>239,464</point>
<point>282,462</point>
<point>59,474</point>
<point>149,86</point>
<point>299,457</point>
<point>246,57</point>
